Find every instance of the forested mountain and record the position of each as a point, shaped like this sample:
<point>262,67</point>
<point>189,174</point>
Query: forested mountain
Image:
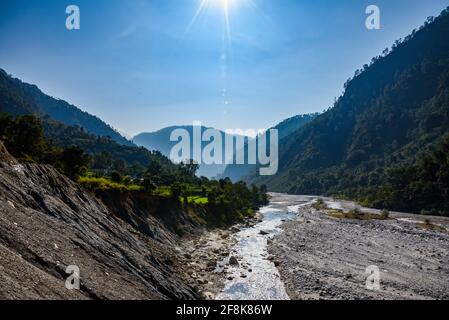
<point>107,155</point>
<point>109,152</point>
<point>19,98</point>
<point>160,141</point>
<point>237,172</point>
<point>383,141</point>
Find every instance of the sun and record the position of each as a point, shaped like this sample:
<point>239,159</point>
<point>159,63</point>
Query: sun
<point>224,5</point>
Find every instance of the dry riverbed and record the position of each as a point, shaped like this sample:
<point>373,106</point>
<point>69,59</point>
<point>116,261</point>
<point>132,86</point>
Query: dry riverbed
<point>325,257</point>
<point>298,250</point>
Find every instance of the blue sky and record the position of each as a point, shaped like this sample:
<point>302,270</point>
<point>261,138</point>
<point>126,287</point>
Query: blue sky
<point>138,65</point>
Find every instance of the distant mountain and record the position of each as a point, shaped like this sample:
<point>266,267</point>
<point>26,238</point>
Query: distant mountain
<point>19,98</point>
<point>160,141</point>
<point>237,172</point>
<point>374,144</point>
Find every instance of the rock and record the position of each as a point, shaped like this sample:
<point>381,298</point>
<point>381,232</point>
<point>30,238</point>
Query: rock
<point>208,296</point>
<point>5,156</point>
<point>243,275</point>
<point>233,261</point>
<point>187,256</point>
<point>211,263</point>
<point>263,232</point>
<point>277,263</point>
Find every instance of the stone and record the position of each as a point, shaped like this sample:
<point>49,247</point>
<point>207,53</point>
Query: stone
<point>233,261</point>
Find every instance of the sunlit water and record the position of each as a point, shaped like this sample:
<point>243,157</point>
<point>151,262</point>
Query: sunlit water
<point>263,282</point>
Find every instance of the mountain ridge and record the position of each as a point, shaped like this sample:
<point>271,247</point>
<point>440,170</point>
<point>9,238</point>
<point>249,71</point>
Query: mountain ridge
<point>18,98</point>
<point>391,113</point>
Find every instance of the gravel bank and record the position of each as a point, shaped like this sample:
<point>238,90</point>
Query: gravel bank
<point>326,258</point>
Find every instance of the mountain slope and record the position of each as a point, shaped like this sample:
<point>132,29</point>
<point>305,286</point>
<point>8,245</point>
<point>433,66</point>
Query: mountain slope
<point>286,127</point>
<point>107,154</point>
<point>160,141</point>
<point>390,114</point>
<point>47,223</point>
<point>19,98</point>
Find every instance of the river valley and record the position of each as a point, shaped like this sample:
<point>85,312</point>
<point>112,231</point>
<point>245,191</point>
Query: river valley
<point>293,250</point>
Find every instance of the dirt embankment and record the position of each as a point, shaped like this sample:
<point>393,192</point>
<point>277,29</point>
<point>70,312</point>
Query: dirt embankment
<point>325,255</point>
<point>48,223</point>
<point>159,218</point>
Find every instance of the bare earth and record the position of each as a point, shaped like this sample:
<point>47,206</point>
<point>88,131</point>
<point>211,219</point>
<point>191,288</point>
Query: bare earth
<point>326,258</point>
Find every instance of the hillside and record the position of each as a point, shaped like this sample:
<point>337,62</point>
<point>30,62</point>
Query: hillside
<point>107,155</point>
<point>286,127</point>
<point>19,98</point>
<point>47,222</point>
<point>392,113</point>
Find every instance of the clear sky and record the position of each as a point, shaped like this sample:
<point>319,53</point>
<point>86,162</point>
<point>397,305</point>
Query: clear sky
<point>145,64</point>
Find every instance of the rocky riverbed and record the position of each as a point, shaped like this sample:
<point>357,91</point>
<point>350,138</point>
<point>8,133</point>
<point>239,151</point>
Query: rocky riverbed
<point>234,264</point>
<point>325,256</point>
<point>295,250</point>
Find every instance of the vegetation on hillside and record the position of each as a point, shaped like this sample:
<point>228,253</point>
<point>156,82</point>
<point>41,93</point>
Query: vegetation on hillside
<point>238,172</point>
<point>219,202</point>
<point>20,98</point>
<point>23,136</point>
<point>375,144</point>
<point>422,186</point>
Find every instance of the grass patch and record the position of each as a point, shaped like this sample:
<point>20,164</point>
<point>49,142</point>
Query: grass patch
<point>355,214</point>
<point>198,200</point>
<point>319,204</point>
<point>163,191</point>
<point>428,225</point>
<point>94,184</point>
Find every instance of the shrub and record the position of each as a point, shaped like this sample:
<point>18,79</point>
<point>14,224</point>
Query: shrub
<point>385,214</point>
<point>319,204</point>
<point>116,177</point>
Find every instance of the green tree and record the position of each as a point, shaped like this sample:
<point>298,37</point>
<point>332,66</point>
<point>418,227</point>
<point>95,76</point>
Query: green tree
<point>116,177</point>
<point>73,162</point>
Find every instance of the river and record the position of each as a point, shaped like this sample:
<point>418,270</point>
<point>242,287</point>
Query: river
<point>256,277</point>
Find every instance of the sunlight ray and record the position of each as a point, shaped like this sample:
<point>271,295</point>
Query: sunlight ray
<point>196,16</point>
<point>257,8</point>
<point>227,25</point>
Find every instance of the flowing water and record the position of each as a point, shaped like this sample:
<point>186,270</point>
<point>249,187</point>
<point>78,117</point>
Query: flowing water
<point>256,277</point>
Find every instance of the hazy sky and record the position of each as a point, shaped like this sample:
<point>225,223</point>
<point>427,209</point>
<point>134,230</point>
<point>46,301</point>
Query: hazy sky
<point>142,65</point>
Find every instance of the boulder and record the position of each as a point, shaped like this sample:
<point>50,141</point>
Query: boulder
<point>233,261</point>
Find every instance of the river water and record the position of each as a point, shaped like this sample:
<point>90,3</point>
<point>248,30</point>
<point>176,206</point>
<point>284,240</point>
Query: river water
<point>256,277</point>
